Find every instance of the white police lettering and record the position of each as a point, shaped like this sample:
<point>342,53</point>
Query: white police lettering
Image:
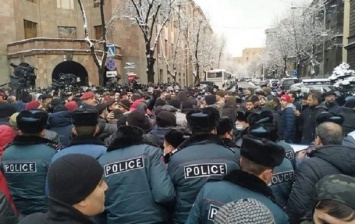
<point>123,166</point>
<point>20,168</point>
<point>290,155</point>
<point>212,212</point>
<point>205,170</point>
<point>278,178</point>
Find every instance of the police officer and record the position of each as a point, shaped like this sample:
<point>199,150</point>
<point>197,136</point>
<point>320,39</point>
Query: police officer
<point>139,186</point>
<point>283,174</point>
<point>225,131</point>
<point>202,157</point>
<point>258,159</point>
<point>26,160</point>
<point>85,123</point>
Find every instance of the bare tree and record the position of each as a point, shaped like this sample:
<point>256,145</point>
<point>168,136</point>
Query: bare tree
<point>150,16</point>
<point>100,62</point>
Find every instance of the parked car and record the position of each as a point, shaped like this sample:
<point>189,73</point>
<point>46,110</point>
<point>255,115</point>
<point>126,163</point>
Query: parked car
<point>286,83</point>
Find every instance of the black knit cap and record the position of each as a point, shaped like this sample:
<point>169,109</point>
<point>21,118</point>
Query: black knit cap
<point>85,117</point>
<point>73,177</point>
<point>174,137</point>
<point>32,121</point>
<point>262,152</point>
<point>326,116</point>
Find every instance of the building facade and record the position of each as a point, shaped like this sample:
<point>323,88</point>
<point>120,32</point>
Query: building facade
<point>49,35</point>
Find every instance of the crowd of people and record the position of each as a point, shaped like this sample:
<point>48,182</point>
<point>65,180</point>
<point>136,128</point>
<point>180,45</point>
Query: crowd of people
<point>174,155</point>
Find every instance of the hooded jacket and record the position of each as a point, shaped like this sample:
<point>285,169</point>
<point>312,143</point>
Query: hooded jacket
<point>25,164</point>
<point>198,159</point>
<point>237,185</point>
<point>325,160</point>
<point>139,188</point>
<point>58,213</point>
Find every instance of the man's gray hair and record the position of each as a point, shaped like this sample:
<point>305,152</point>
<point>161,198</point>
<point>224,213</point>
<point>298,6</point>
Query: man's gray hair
<point>330,133</point>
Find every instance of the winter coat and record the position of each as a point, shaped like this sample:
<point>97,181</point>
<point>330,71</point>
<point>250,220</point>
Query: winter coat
<point>197,160</point>
<point>349,119</point>
<point>290,152</point>
<point>325,160</point>
<point>87,145</point>
<point>105,129</point>
<point>61,123</point>
<point>332,107</point>
<point>7,135</point>
<point>309,123</point>
<point>58,213</point>
<point>139,187</point>
<point>281,182</point>
<point>156,136</point>
<point>237,185</point>
<point>52,136</point>
<point>7,207</point>
<point>25,163</point>
<point>288,124</point>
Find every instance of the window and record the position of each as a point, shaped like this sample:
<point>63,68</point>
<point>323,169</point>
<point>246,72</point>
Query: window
<point>66,32</point>
<point>30,29</point>
<point>65,4</point>
<point>98,32</point>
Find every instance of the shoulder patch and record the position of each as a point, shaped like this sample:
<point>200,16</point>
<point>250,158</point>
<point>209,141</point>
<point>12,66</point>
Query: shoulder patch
<point>212,212</point>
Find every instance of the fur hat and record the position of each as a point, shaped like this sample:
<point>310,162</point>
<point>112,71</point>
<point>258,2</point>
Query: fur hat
<point>329,117</point>
<point>73,177</point>
<point>85,117</point>
<point>262,152</point>
<point>174,137</point>
<point>242,115</point>
<point>225,125</point>
<point>204,120</point>
<point>32,121</point>
<point>244,211</point>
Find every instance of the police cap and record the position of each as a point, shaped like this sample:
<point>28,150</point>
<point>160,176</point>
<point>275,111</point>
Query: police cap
<point>32,121</point>
<point>262,151</point>
<point>85,117</point>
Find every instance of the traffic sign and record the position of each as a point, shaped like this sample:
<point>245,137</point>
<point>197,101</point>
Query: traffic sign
<point>111,51</point>
<point>130,65</point>
<point>111,74</point>
<point>111,64</point>
<point>294,73</point>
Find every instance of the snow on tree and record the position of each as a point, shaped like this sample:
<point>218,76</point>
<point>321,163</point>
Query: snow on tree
<point>100,62</point>
<point>298,39</point>
<point>151,17</point>
<point>343,76</point>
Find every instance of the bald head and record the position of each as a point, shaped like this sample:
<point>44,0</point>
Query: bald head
<point>330,133</point>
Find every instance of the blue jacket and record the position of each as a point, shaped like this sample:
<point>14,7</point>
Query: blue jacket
<point>237,185</point>
<point>288,124</point>
<point>25,163</point>
<point>61,123</point>
<point>87,145</point>
<point>139,187</point>
<point>198,159</point>
<point>282,180</point>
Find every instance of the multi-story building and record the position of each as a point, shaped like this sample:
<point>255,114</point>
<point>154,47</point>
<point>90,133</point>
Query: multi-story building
<point>49,35</point>
<point>250,61</point>
<point>350,47</point>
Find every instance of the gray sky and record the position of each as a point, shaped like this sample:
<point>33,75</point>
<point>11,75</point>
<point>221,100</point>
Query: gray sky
<point>243,22</point>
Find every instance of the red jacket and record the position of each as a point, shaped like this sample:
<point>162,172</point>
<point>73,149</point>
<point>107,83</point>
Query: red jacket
<point>7,135</point>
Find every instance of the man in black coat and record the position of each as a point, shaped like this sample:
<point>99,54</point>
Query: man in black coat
<point>330,157</point>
